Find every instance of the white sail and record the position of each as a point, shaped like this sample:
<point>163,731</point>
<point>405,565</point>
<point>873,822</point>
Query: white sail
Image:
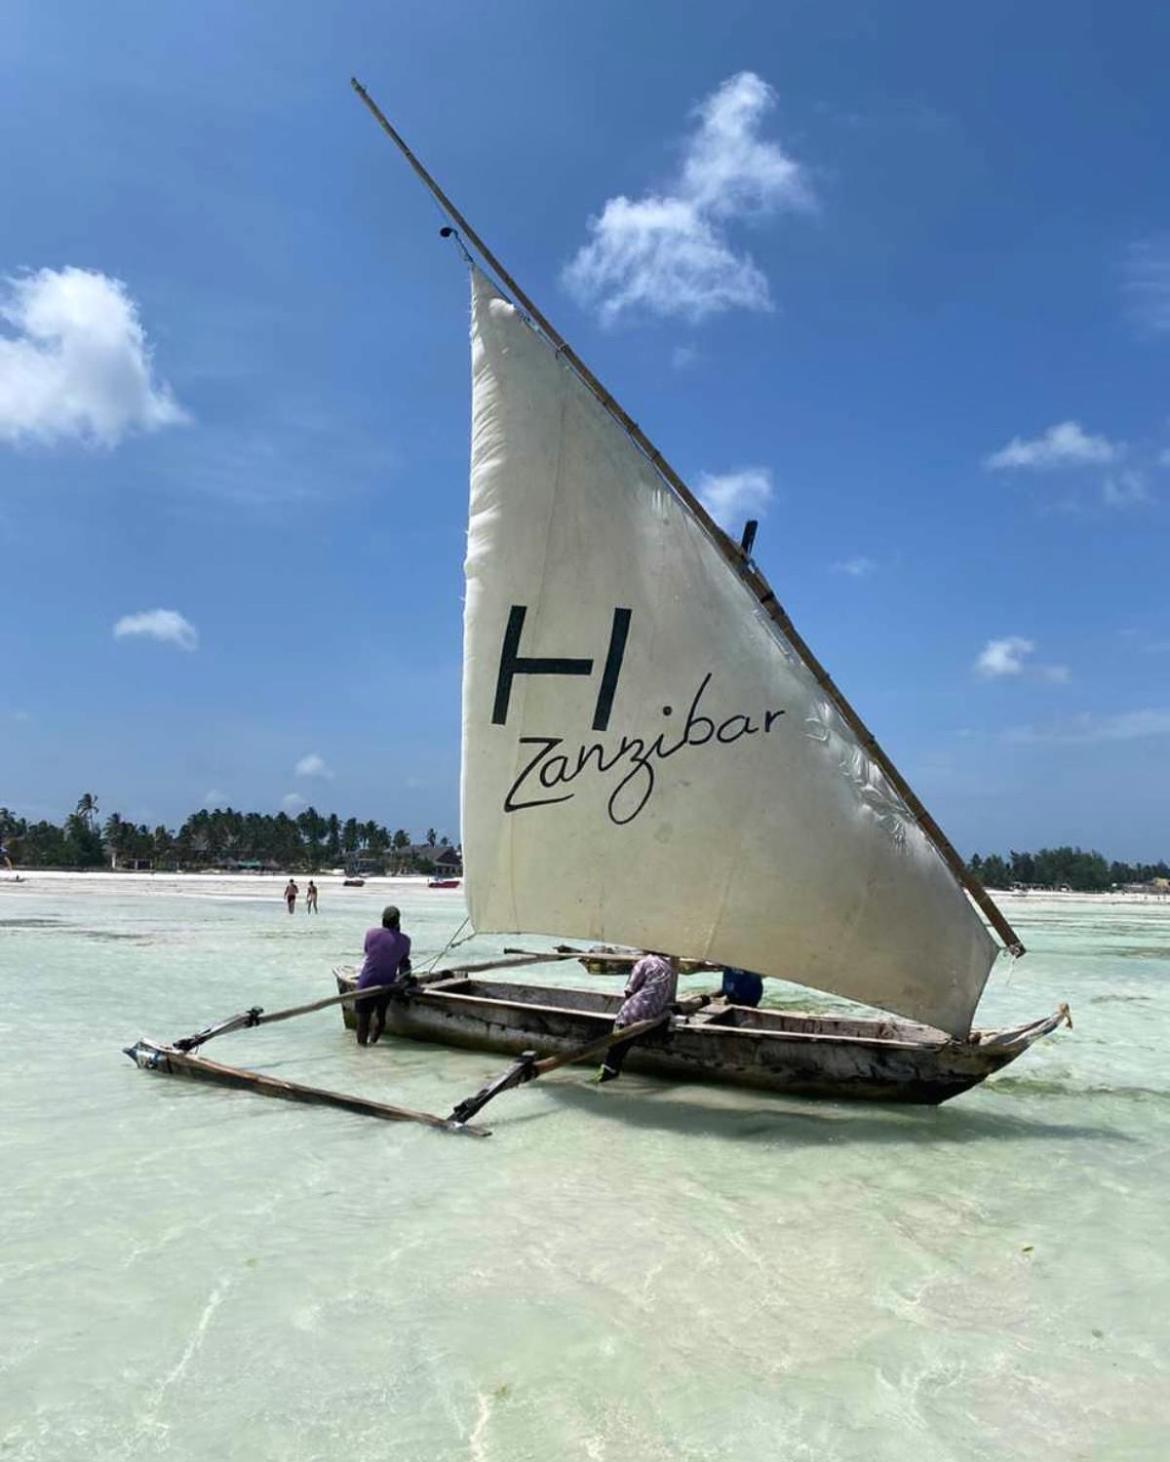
<point>645,758</point>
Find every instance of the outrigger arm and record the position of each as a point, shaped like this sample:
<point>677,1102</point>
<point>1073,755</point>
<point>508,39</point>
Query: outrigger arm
<point>528,1068</point>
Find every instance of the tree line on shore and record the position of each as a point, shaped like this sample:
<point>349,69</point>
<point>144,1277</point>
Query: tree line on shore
<point>217,839</point>
<point>1083,872</point>
<point>311,840</point>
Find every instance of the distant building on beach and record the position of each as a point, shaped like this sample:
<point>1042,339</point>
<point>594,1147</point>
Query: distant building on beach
<point>439,858</point>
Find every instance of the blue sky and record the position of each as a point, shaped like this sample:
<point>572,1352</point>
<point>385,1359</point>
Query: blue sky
<point>898,275</point>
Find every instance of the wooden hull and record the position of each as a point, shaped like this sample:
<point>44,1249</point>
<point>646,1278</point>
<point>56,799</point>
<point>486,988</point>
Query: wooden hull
<point>804,1055</point>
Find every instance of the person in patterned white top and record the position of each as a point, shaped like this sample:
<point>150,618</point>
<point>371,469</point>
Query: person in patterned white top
<point>651,990</point>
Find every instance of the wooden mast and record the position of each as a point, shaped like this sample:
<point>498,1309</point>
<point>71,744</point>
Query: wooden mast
<point>731,551</point>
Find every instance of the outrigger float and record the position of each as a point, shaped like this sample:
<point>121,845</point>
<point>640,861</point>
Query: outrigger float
<point>182,1058</point>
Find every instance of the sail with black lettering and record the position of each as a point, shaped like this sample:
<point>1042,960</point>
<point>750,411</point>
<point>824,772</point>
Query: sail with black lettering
<point>647,759</point>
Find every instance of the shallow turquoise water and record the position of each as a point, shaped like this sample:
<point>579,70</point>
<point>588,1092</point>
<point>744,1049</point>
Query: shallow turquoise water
<point>639,1272</point>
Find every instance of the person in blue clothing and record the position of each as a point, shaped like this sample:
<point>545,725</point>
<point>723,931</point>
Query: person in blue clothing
<point>7,859</point>
<point>741,987</point>
<point>387,962</point>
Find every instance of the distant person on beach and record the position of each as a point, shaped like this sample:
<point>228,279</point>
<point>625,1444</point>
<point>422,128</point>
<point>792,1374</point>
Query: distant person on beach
<point>311,898</point>
<point>387,962</point>
<point>290,895</point>
<point>7,859</point>
<point>650,991</point>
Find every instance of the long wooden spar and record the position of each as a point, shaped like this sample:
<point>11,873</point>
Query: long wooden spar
<point>246,1019</point>
<point>734,554</point>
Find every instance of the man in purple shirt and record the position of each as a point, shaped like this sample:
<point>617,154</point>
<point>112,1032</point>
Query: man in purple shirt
<point>387,962</point>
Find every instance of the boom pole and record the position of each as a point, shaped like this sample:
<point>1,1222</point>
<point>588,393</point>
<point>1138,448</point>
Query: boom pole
<point>734,554</point>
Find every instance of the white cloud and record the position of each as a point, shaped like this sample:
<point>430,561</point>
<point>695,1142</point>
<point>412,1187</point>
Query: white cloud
<point>1066,444</point>
<point>1164,458</point>
<point>165,625</point>
<point>667,252</point>
<point>1004,657</point>
<point>313,765</point>
<point>683,356</point>
<point>1087,728</point>
<point>1146,282</point>
<point>1125,490</point>
<point>77,363</point>
<point>293,802</point>
<point>215,798</point>
<point>857,568</point>
<point>730,497</point>
<point>1011,656</point>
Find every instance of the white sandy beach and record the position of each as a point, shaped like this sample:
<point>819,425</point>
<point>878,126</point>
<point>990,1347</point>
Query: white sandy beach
<point>270,885</point>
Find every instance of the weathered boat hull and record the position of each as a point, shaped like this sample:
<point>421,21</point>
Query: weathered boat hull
<point>804,1055</point>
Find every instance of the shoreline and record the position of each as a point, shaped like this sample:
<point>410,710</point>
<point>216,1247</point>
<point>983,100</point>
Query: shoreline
<point>173,882</point>
<point>1056,896</point>
<point>267,885</point>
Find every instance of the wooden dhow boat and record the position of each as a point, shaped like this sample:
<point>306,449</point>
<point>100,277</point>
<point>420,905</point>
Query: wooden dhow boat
<point>652,756</point>
<point>711,1040</point>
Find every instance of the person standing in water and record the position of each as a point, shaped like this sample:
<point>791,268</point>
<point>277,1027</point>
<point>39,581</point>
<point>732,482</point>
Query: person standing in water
<point>651,990</point>
<point>387,962</point>
<point>311,898</point>
<point>290,895</point>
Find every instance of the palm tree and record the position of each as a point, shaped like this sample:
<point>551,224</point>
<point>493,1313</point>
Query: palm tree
<point>432,837</point>
<point>163,845</point>
<point>115,835</point>
<point>87,807</point>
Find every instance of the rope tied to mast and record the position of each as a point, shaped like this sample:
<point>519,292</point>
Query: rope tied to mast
<point>449,232</point>
<point>452,943</point>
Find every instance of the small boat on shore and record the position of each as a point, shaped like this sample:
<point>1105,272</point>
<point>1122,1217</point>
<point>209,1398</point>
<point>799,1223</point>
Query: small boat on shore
<point>607,959</point>
<point>770,1050</point>
<point>353,883</point>
<point>443,882</point>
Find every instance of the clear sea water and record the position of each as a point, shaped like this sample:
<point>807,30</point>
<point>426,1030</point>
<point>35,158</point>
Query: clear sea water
<point>638,1272</point>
